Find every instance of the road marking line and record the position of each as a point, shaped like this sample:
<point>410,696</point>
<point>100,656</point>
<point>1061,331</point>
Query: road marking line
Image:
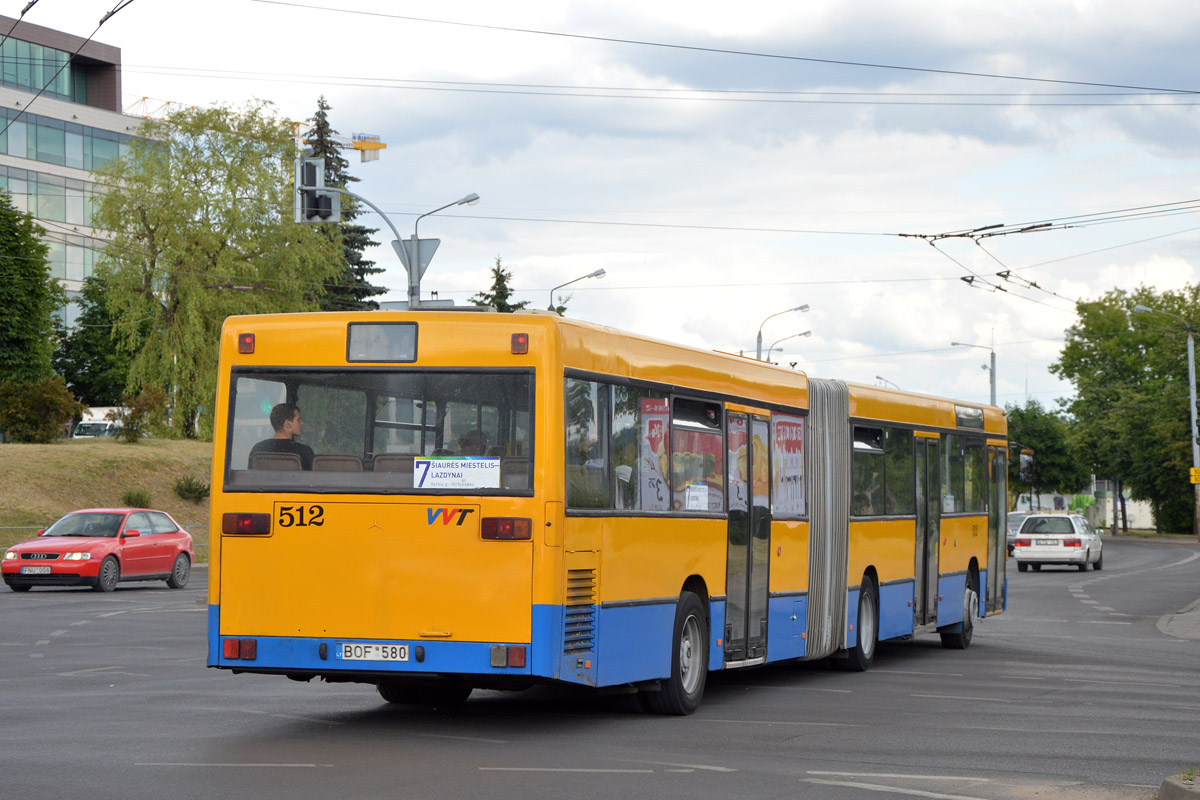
<point>1125,683</point>
<point>58,633</point>
<point>86,671</point>
<point>693,766</point>
<point>1103,622</point>
<point>769,722</point>
<point>463,738</point>
<point>81,622</point>
<point>567,769</point>
<point>807,689</point>
<point>912,672</point>
<point>958,697</point>
<point>226,764</point>
<point>899,775</point>
<point>894,789</point>
<point>41,642</point>
<point>110,614</point>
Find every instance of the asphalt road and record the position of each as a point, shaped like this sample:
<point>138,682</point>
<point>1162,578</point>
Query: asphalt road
<point>1073,693</point>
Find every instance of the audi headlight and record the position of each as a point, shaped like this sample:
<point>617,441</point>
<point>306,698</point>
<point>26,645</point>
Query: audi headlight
<point>77,557</point>
<point>9,555</point>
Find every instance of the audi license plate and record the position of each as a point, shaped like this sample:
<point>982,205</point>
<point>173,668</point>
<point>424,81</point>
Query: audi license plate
<point>1047,541</point>
<point>372,652</point>
<point>35,570</point>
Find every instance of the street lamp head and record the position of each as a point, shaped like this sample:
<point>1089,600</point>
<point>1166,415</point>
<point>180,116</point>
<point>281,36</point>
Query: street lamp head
<point>469,200</point>
<point>801,308</point>
<point>1141,309</point>
<point>600,273</point>
<point>806,333</point>
<point>956,344</point>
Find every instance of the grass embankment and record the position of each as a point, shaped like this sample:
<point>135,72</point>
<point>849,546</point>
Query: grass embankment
<point>41,482</point>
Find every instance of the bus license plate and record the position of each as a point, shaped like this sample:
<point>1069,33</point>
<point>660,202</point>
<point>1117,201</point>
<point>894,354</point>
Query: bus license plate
<point>372,652</point>
<point>1047,541</point>
<point>35,570</point>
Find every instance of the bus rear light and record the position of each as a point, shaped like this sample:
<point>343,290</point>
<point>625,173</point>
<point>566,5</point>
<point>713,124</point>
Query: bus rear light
<point>516,655</point>
<point>245,343</point>
<point>240,649</point>
<point>245,523</point>
<point>1072,543</point>
<point>506,528</point>
<point>520,344</point>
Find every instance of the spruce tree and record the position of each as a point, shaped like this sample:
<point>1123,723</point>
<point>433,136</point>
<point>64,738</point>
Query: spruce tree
<point>28,299</point>
<point>352,288</point>
<point>498,297</point>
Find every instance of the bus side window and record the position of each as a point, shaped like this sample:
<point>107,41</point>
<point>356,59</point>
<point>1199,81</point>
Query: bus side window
<point>587,444</point>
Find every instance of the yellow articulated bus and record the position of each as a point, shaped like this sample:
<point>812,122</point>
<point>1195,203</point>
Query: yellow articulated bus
<point>437,501</point>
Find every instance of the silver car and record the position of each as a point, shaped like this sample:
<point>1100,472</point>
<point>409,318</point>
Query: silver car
<point>1069,540</point>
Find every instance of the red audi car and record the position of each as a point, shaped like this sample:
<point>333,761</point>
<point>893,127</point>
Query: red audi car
<point>98,547</point>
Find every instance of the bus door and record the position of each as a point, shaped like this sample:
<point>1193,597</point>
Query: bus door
<point>997,536</point>
<point>746,582</point>
<point>929,519</point>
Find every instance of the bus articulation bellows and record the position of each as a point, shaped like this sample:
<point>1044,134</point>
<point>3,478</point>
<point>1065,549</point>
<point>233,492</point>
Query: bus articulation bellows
<point>493,500</point>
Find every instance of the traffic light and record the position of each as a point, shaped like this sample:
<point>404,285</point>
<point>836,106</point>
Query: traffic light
<point>313,202</point>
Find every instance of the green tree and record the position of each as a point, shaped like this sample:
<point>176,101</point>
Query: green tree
<point>499,295</point>
<point>1131,406</point>
<point>28,298</point>
<point>351,288</point>
<point>1057,468</point>
<point>88,357</point>
<point>37,412</point>
<point>201,216</point>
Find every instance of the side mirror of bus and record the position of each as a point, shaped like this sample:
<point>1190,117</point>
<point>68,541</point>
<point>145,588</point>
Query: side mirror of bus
<point>1025,468</point>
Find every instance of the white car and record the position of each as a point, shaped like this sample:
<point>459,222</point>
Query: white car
<point>1069,540</point>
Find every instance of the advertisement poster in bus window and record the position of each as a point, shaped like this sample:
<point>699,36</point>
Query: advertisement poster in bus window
<point>739,454</point>
<point>652,453</point>
<point>787,456</point>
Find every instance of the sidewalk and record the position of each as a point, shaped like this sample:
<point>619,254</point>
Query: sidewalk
<point>1183,624</point>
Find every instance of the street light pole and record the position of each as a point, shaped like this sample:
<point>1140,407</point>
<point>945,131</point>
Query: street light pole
<point>758,354</point>
<point>600,273</point>
<point>1192,409</point>
<point>414,251</point>
<point>991,369</point>
<point>784,339</point>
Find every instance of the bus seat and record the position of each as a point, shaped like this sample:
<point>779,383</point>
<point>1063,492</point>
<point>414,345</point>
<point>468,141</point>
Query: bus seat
<point>284,461</point>
<point>514,472</point>
<point>337,464</point>
<point>395,462</point>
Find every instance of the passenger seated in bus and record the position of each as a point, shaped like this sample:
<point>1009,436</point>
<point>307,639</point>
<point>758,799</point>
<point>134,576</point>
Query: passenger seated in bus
<point>442,452</point>
<point>472,443</point>
<point>288,424</point>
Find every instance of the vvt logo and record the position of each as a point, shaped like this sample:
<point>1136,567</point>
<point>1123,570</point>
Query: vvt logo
<point>447,515</point>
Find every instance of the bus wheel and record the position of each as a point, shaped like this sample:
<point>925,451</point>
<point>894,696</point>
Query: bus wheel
<point>859,657</point>
<point>960,639</point>
<point>396,691</point>
<point>449,694</point>
<point>681,693</point>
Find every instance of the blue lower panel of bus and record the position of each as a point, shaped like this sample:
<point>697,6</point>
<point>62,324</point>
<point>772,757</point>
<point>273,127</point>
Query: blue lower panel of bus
<point>895,609</point>
<point>787,620</point>
<point>950,610</point>
<point>303,654</point>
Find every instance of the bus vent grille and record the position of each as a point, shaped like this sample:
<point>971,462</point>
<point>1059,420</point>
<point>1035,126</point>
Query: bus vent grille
<point>579,620</point>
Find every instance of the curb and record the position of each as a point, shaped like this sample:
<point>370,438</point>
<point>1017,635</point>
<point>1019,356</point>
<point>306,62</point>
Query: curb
<point>1174,788</point>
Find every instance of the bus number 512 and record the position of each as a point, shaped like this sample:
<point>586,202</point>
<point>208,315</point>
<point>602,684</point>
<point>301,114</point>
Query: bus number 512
<point>301,516</point>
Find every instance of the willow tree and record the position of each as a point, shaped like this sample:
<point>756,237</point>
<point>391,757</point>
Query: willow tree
<point>200,211</point>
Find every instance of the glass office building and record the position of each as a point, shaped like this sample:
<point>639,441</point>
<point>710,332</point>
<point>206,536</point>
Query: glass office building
<point>50,144</point>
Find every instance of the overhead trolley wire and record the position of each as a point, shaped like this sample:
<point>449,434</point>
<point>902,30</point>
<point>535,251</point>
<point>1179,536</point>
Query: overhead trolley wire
<point>724,51</point>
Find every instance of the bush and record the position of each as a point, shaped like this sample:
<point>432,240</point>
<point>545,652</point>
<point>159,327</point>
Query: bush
<point>135,498</point>
<point>37,412</point>
<point>189,487</point>
<point>139,411</point>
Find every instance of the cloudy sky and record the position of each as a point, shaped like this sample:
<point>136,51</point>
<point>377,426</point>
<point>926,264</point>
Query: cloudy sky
<point>726,161</point>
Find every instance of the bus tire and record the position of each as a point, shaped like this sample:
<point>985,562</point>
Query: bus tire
<point>396,691</point>
<point>449,694</point>
<point>860,657</point>
<point>681,693</point>
<point>961,639</point>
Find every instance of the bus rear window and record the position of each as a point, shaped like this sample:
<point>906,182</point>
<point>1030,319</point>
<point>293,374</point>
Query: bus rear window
<point>381,431</point>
